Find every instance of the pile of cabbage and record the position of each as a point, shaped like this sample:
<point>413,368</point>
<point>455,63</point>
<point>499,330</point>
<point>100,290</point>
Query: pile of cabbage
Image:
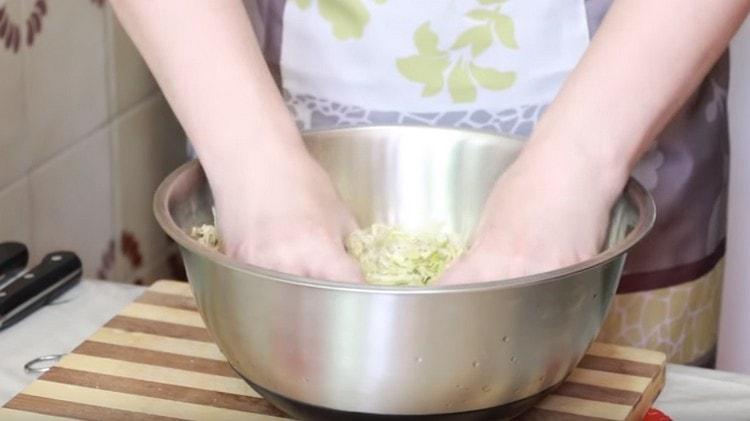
<point>391,256</point>
<point>207,235</point>
<point>386,254</point>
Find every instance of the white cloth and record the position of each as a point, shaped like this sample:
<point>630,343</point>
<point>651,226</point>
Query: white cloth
<point>59,328</point>
<point>698,394</point>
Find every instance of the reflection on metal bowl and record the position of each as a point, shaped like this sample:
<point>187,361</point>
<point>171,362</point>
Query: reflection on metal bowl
<point>362,349</point>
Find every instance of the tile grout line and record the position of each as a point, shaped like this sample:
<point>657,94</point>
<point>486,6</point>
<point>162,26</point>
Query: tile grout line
<point>114,167</point>
<point>13,183</point>
<point>108,124</point>
<point>25,136</point>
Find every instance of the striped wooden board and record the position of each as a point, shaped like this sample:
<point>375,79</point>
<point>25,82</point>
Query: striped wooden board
<point>156,361</point>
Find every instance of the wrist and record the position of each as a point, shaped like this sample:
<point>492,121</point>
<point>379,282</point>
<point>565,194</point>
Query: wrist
<point>575,164</point>
<point>602,144</point>
<point>243,168</point>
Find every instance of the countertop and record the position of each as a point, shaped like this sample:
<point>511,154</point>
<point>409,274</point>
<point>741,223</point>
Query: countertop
<point>690,393</point>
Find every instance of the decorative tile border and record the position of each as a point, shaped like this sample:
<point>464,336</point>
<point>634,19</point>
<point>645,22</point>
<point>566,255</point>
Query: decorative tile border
<point>12,32</point>
<point>131,249</point>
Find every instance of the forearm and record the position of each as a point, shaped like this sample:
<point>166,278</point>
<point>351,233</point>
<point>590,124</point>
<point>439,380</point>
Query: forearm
<point>206,59</point>
<point>644,62</point>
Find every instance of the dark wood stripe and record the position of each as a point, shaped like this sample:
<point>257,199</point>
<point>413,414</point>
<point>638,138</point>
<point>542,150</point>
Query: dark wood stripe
<point>598,393</point>
<point>161,359</point>
<point>613,365</point>
<point>646,281</point>
<point>536,414</point>
<point>171,330</point>
<point>168,300</point>
<point>55,407</point>
<point>162,391</point>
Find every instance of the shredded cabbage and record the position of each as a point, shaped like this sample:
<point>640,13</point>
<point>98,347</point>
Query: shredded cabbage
<point>390,256</point>
<point>386,254</point>
<point>206,235</point>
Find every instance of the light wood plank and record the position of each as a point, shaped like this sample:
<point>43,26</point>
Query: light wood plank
<point>158,343</point>
<point>172,287</point>
<point>140,404</point>
<point>163,314</point>
<point>157,374</point>
<point>611,380</point>
<point>625,353</point>
<point>648,398</point>
<point>8,414</point>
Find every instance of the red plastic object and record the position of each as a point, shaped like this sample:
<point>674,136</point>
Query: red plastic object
<point>656,415</point>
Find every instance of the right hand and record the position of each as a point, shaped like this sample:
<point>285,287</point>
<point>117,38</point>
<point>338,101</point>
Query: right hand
<point>285,215</point>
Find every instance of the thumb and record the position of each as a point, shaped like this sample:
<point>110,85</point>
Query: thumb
<point>457,273</point>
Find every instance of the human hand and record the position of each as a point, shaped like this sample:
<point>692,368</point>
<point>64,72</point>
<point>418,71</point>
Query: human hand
<point>285,215</point>
<point>549,210</point>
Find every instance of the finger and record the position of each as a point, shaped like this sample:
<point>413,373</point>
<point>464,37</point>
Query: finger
<point>284,259</point>
<point>476,266</point>
<point>278,263</point>
<point>460,272</point>
<point>345,272</point>
<point>337,266</point>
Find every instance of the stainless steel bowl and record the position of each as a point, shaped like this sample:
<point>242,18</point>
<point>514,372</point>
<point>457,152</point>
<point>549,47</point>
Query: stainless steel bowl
<point>405,350</point>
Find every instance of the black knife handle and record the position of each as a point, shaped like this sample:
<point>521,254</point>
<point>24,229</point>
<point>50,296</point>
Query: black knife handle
<point>13,259</point>
<point>57,273</point>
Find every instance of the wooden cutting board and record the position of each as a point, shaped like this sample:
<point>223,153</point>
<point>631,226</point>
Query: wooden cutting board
<point>156,361</point>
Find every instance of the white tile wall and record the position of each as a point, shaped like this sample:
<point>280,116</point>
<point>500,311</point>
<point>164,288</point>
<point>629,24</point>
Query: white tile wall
<point>14,151</point>
<point>147,145</point>
<point>65,77</point>
<point>131,81</point>
<point>159,268</point>
<point>15,212</point>
<point>85,138</point>
<point>71,202</point>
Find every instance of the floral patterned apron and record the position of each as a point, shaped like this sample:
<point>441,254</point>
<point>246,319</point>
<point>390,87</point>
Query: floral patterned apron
<point>495,65</point>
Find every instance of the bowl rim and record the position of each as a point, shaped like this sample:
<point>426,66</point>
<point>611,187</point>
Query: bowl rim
<point>634,190</point>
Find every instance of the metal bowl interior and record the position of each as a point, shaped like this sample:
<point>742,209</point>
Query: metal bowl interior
<point>414,177</point>
<point>404,350</point>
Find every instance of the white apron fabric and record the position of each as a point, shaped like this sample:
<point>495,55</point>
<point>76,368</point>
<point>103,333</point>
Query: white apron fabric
<point>431,55</point>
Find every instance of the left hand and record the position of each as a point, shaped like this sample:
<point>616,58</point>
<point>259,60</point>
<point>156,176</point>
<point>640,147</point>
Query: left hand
<point>549,210</point>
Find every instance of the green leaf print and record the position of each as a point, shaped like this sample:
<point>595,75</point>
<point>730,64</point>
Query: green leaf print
<point>303,4</point>
<point>426,67</point>
<point>460,85</point>
<point>505,30</point>
<point>455,67</point>
<point>348,17</point>
<point>426,40</point>
<point>492,79</point>
<point>482,14</point>
<point>479,37</point>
